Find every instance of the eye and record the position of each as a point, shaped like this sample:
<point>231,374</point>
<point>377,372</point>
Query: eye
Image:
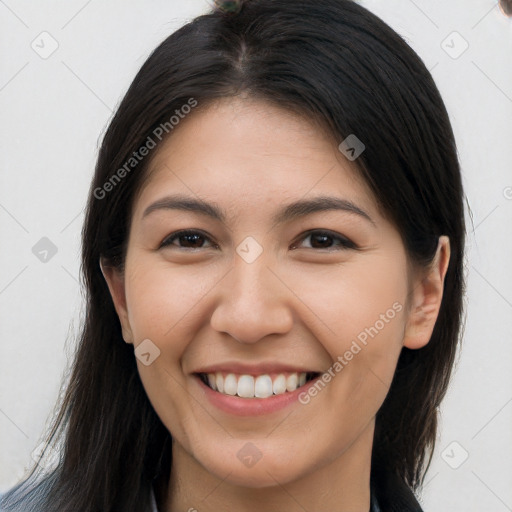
<point>322,239</point>
<point>189,239</point>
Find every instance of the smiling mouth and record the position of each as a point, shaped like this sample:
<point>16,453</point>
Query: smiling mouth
<point>260,386</point>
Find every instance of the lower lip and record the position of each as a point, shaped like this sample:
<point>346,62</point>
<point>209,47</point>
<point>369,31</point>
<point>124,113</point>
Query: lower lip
<point>253,406</point>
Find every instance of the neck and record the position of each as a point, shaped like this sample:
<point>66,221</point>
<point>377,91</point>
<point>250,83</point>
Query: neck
<point>342,484</point>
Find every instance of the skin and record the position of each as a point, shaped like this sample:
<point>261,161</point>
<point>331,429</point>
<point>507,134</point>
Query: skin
<point>201,303</point>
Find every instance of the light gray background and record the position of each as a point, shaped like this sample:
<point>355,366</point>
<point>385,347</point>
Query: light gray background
<point>53,114</point>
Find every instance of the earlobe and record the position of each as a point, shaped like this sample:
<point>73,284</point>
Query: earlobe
<point>426,298</point>
<point>115,283</point>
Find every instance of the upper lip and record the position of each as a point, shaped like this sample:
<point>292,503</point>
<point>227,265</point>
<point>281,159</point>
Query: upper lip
<point>246,368</point>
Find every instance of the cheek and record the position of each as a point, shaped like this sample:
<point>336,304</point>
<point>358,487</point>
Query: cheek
<point>358,300</point>
<point>163,299</point>
<point>359,318</point>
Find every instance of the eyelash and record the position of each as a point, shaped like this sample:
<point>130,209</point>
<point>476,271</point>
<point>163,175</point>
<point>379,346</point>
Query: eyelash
<point>344,242</point>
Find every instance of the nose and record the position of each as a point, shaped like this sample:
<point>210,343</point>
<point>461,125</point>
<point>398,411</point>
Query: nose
<point>252,302</point>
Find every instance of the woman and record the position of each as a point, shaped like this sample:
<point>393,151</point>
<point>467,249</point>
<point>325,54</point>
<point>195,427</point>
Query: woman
<point>273,259</point>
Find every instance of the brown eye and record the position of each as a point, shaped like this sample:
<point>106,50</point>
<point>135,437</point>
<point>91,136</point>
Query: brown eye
<point>186,240</point>
<point>324,240</point>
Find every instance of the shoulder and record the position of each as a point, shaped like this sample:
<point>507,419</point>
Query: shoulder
<point>26,496</point>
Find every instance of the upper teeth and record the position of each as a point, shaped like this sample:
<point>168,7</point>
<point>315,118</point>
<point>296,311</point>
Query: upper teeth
<point>262,386</point>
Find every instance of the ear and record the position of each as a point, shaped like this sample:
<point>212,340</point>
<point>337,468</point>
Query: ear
<point>426,298</point>
<point>115,282</point>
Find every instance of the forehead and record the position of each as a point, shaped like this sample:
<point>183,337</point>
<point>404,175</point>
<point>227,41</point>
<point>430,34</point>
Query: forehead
<point>240,148</point>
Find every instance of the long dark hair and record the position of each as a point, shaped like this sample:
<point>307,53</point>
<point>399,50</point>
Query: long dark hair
<point>332,61</point>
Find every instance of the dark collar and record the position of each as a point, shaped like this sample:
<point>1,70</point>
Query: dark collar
<point>389,493</point>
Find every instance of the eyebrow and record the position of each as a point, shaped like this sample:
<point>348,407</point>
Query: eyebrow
<point>292,211</point>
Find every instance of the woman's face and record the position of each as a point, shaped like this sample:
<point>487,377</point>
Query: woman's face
<point>271,282</point>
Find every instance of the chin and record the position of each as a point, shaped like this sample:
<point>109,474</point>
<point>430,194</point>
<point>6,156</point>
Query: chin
<point>260,478</point>
<point>268,471</point>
